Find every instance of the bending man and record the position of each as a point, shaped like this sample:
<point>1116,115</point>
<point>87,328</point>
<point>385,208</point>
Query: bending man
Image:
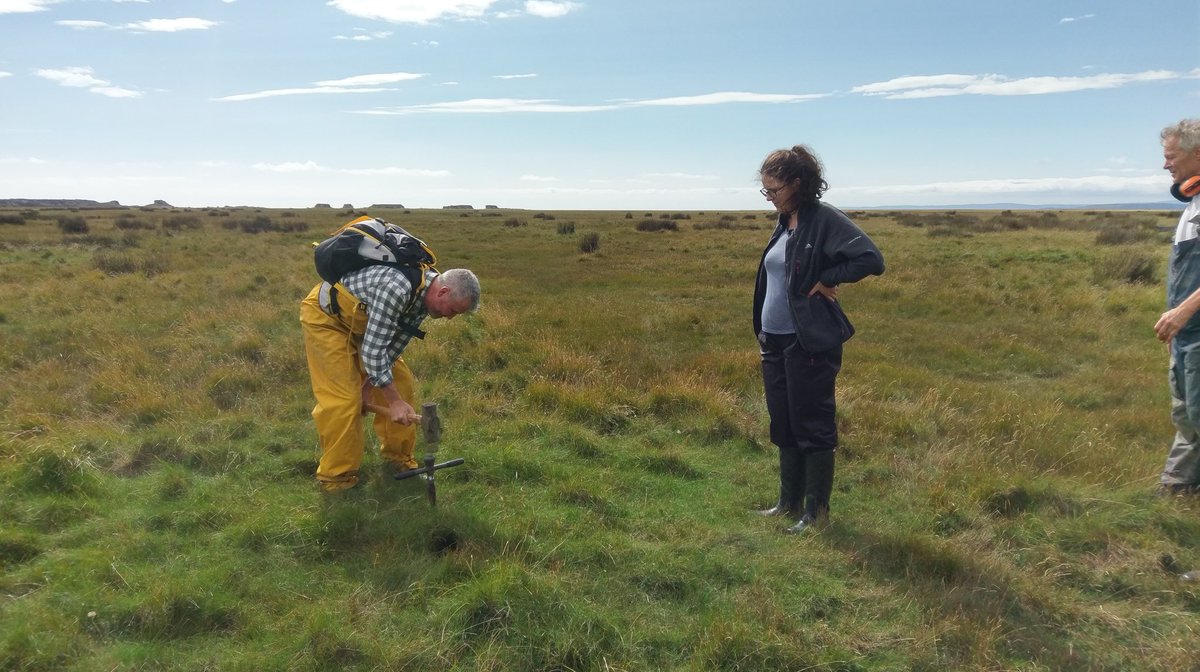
<point>354,334</point>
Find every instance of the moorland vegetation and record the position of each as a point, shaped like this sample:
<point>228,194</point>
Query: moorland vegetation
<point>1003,411</point>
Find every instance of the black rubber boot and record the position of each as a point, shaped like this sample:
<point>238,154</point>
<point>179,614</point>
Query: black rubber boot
<point>819,469</point>
<point>791,485</point>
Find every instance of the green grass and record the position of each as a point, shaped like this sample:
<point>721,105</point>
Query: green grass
<point>1003,410</point>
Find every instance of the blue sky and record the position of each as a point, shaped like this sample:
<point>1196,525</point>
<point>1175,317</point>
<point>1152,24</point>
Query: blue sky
<point>590,104</point>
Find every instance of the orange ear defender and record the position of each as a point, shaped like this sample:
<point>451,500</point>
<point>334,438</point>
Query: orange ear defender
<point>1186,189</point>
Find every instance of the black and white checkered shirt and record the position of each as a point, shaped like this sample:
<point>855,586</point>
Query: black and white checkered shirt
<point>385,292</point>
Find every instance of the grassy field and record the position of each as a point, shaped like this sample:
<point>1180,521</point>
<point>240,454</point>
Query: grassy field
<point>1003,409</point>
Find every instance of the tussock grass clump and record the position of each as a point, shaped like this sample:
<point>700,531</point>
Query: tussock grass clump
<point>657,225</point>
<point>1123,234</point>
<point>17,548</point>
<point>544,215</point>
<point>589,243</point>
<point>18,220</point>
<point>514,222</point>
<point>123,263</point>
<point>72,224</point>
<point>58,472</point>
<point>263,224</point>
<point>131,222</point>
<point>1130,267</point>
<point>565,228</point>
<point>182,222</point>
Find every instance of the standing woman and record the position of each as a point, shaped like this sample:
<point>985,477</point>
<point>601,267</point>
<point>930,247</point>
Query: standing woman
<point>801,327</point>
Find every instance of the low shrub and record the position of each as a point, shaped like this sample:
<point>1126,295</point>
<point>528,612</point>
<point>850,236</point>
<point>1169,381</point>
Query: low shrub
<point>1131,267</point>
<point>566,228</point>
<point>73,224</point>
<point>657,225</point>
<point>1121,235</point>
<point>590,242</point>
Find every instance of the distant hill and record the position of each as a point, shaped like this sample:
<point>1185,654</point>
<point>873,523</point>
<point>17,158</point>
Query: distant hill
<point>1161,205</point>
<point>55,203</point>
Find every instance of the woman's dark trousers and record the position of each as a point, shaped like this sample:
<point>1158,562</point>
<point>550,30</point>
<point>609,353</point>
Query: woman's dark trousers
<point>799,389</point>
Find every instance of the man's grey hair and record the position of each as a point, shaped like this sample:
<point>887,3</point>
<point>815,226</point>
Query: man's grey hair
<point>1188,133</point>
<point>463,285</point>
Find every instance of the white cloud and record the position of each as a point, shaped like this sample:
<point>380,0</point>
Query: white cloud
<point>933,86</point>
<point>1072,19</point>
<point>21,6</point>
<point>149,26</point>
<point>365,36</point>
<point>288,167</point>
<point>275,93</point>
<point>371,80</point>
<point>507,105</point>
<point>392,170</point>
<point>1046,185</point>
<point>170,25</point>
<point>679,176</point>
<point>314,167</point>
<point>525,76</point>
<point>355,84</point>
<point>82,25</point>
<point>538,178</point>
<point>9,160</point>
<point>413,11</point>
<point>491,106</point>
<point>727,97</point>
<point>550,10</point>
<point>82,78</point>
<point>5,74</point>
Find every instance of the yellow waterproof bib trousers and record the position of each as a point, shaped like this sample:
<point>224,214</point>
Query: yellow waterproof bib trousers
<point>331,345</point>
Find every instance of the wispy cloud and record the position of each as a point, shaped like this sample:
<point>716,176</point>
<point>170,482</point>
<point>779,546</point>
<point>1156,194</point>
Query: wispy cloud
<point>490,106</point>
<point>413,11</point>
<point>79,24</point>
<point>550,10</point>
<point>365,36</point>
<point>82,77</point>
<point>356,84</point>
<point>726,97</point>
<point>5,74</point>
<point>31,160</point>
<point>538,178</point>
<point>679,176</point>
<point>372,80</point>
<point>525,76</point>
<point>549,105</point>
<point>22,6</point>
<point>998,187</point>
<point>1073,19</point>
<point>932,86</point>
<point>314,167</point>
<point>148,26</point>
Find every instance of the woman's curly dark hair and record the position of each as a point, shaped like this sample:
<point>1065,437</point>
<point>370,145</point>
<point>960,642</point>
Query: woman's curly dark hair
<point>800,165</point>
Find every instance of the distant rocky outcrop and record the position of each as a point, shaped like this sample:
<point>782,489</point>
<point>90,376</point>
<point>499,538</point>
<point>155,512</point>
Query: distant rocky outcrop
<point>56,203</point>
<point>458,207</point>
<point>159,203</point>
<point>387,206</point>
<point>347,206</point>
<point>491,207</point>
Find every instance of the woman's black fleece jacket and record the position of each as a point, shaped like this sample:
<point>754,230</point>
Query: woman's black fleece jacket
<point>827,247</point>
